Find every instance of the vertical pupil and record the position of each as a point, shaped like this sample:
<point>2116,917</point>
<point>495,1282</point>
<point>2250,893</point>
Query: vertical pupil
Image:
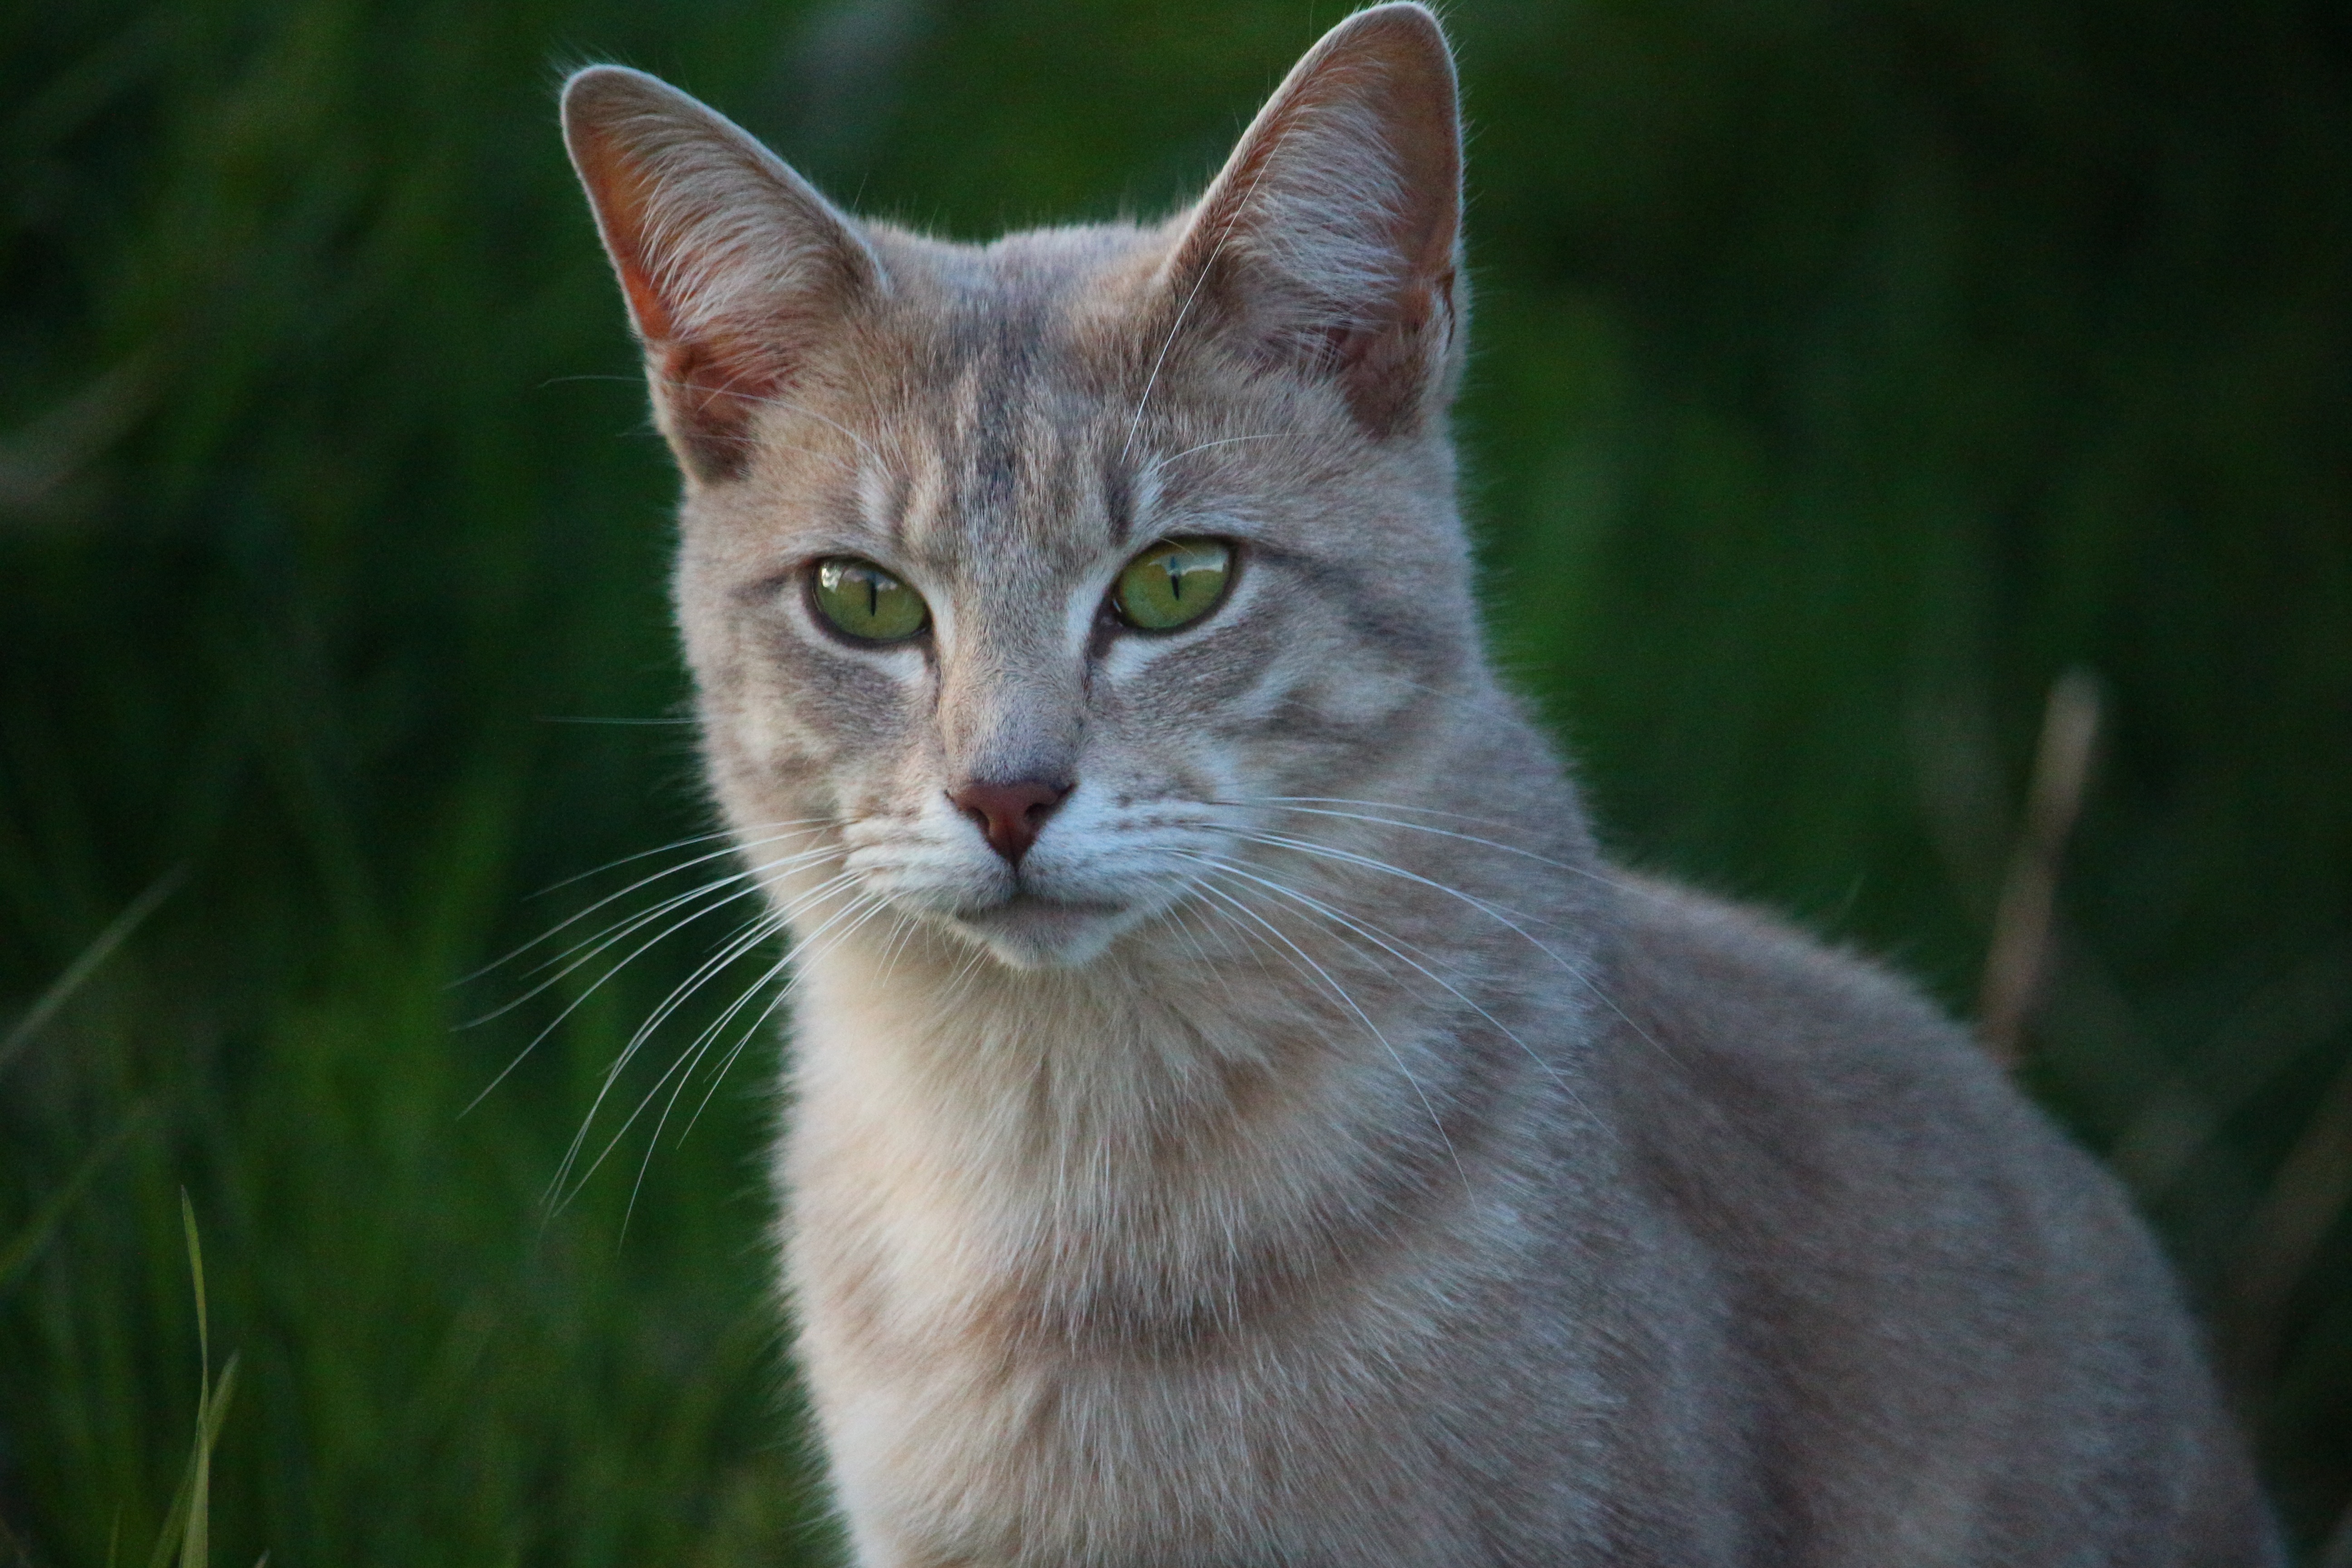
<point>874,596</point>
<point>1175,564</point>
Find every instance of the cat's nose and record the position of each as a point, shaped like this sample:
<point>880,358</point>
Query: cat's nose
<point>1010,815</point>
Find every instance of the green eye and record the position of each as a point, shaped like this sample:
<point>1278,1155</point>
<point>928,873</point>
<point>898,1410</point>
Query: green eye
<point>1173,584</point>
<point>866,603</point>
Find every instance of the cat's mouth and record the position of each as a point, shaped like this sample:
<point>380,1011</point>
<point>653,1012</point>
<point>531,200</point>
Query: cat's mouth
<point>1030,930</point>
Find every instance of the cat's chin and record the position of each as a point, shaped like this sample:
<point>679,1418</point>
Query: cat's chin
<point>1027,931</point>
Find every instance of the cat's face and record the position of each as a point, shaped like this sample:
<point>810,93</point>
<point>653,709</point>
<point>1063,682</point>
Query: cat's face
<point>991,493</point>
<point>1021,584</point>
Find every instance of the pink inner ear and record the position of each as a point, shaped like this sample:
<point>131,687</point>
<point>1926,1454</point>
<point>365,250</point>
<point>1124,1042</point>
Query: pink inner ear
<point>707,396</point>
<point>707,376</point>
<point>732,265</point>
<point>646,310</point>
<point>619,193</point>
<point>707,381</point>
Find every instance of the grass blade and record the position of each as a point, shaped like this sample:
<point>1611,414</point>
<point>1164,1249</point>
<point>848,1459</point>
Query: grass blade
<point>196,1269</point>
<point>26,1247</point>
<point>189,1522</point>
<point>86,964</point>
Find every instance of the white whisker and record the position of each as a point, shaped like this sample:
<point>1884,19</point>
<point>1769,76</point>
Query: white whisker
<point>746,882</point>
<point>743,883</point>
<point>1341,992</point>
<point>1222,441</point>
<point>794,959</point>
<point>549,934</point>
<point>1374,934</point>
<point>681,1069</point>
<point>745,939</point>
<point>622,934</point>
<point>1224,237</point>
<point>1291,803</point>
<point>786,405</point>
<point>1494,913</point>
<point>775,832</point>
<point>751,935</point>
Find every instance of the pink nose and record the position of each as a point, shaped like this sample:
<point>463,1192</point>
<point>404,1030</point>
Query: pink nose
<point>1010,815</point>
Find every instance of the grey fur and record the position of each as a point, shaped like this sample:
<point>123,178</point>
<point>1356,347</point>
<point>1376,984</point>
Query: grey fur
<point>1314,1152</point>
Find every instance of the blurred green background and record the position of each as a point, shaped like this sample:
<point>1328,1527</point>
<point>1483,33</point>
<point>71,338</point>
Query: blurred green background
<point>1844,374</point>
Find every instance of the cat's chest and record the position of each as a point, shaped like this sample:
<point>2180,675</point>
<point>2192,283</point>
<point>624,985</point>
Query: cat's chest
<point>966,1422</point>
<point>1079,1462</point>
<point>927,1237</point>
<point>927,1208</point>
<point>1091,1336</point>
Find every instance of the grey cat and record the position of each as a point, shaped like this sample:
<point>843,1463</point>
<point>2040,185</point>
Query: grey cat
<point>1239,1118</point>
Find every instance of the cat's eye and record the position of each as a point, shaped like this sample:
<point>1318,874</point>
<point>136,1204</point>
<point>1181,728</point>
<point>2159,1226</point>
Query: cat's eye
<point>1173,584</point>
<point>863,601</point>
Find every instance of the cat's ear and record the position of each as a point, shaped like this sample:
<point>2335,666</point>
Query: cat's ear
<point>731,262</point>
<point>1331,239</point>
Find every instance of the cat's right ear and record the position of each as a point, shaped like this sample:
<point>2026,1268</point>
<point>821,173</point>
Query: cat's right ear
<point>731,263</point>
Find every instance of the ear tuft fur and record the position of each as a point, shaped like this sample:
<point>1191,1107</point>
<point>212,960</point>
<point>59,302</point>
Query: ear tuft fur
<point>729,260</point>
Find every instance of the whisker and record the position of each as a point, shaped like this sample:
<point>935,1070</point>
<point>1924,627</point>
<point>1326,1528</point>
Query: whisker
<point>897,944</point>
<point>744,1039</point>
<point>643,881</point>
<point>754,933</point>
<point>683,1065</point>
<point>1373,934</point>
<point>803,901</point>
<point>686,1060</point>
<point>771,828</point>
<point>1180,922</point>
<point>689,1059</point>
<point>628,928</point>
<point>786,405</point>
<point>748,874</point>
<point>703,1043</point>
<point>1287,803</point>
<point>1498,912</point>
<point>745,939</point>
<point>959,983</point>
<point>1492,911</point>
<point>1232,227</point>
<point>1223,441</point>
<point>1375,804</point>
<point>1341,992</point>
<point>745,882</point>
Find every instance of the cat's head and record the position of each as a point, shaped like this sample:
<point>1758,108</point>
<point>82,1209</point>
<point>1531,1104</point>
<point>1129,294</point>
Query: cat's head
<point>1022,583</point>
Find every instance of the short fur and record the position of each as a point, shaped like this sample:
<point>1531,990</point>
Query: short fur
<point>1312,1151</point>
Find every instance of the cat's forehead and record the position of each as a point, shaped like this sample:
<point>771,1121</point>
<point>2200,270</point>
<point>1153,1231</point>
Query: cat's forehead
<point>1015,434</point>
<point>1044,316</point>
<point>1014,466</point>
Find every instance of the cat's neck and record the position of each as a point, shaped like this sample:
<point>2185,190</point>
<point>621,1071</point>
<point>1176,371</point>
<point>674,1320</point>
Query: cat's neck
<point>1253,1078</point>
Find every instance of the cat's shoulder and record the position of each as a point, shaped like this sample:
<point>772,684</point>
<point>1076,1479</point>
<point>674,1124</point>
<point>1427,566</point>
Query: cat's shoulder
<point>1686,953</point>
<point>1777,1033</point>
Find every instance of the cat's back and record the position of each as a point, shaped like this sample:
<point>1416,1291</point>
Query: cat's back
<point>1932,1325</point>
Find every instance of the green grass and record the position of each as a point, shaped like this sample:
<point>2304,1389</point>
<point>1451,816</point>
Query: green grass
<point>185,1539</point>
<point>1843,377</point>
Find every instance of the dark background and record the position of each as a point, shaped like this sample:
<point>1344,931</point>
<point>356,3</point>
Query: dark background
<point>1845,373</point>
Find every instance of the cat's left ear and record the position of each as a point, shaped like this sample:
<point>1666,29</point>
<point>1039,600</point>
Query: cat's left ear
<point>1331,241</point>
<point>732,265</point>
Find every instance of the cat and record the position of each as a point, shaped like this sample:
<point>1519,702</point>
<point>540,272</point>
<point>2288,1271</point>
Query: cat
<point>1238,1117</point>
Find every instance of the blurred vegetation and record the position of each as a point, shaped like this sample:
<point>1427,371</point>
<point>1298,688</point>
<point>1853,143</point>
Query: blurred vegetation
<point>1845,373</point>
